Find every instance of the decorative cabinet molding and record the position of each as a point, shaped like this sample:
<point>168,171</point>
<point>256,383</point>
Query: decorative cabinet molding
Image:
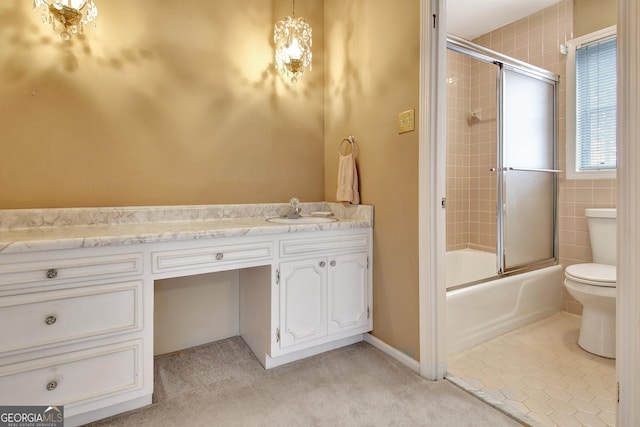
<point>303,301</point>
<point>18,272</point>
<point>348,291</point>
<point>70,378</point>
<point>323,296</point>
<point>210,256</point>
<point>51,317</point>
<point>334,244</point>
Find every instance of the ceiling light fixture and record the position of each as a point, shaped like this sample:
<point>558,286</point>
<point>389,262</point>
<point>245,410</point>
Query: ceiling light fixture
<point>292,38</point>
<point>72,14</point>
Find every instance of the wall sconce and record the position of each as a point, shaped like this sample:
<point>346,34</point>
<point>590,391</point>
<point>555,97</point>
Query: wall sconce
<point>73,15</point>
<point>292,38</point>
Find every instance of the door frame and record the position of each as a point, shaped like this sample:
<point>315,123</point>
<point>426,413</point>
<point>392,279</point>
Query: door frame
<point>431,201</point>
<point>628,215</point>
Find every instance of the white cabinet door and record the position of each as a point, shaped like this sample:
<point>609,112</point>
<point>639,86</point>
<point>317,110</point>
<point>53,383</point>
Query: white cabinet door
<point>348,292</point>
<point>303,301</point>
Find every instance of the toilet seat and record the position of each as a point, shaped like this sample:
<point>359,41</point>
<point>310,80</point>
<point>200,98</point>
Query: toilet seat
<point>593,274</point>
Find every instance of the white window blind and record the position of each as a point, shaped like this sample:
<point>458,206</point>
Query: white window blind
<point>595,102</point>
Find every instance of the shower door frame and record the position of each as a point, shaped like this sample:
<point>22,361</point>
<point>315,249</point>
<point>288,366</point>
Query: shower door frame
<point>503,62</point>
<point>503,170</point>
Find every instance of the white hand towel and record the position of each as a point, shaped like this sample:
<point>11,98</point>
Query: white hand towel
<point>348,180</point>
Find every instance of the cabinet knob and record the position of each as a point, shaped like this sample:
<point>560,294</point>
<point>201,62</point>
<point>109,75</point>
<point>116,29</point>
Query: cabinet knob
<point>52,273</point>
<point>50,320</point>
<point>52,385</point>
<point>219,256</point>
<point>332,263</point>
<point>322,264</point>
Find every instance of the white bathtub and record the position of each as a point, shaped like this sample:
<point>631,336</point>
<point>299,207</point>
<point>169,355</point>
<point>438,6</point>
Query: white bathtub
<point>468,265</point>
<point>483,311</point>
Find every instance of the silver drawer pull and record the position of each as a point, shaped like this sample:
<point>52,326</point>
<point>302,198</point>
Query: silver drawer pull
<point>322,263</point>
<point>52,273</point>
<point>332,263</point>
<point>50,320</point>
<point>52,385</point>
<point>219,256</point>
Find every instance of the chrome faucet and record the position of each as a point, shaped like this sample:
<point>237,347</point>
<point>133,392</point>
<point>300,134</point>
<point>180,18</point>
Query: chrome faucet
<point>294,209</point>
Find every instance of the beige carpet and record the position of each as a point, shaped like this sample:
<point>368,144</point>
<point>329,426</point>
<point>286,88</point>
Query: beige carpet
<point>223,384</point>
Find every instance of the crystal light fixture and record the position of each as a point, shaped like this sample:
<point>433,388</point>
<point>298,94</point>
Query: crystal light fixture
<point>292,37</point>
<point>73,15</point>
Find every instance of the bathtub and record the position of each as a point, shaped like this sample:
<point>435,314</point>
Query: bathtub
<point>486,310</point>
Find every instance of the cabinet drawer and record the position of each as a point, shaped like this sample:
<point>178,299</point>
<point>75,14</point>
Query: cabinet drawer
<point>349,242</point>
<point>50,317</point>
<point>66,267</point>
<point>72,377</point>
<point>210,256</point>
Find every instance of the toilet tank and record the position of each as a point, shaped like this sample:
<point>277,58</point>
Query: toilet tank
<point>602,233</point>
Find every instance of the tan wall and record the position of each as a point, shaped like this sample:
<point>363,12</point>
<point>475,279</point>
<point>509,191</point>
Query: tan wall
<point>165,103</point>
<point>372,75</point>
<point>593,15</point>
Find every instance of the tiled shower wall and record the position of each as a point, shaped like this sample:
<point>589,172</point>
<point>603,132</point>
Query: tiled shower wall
<point>471,152</point>
<point>483,153</point>
<point>535,40</point>
<point>458,136</point>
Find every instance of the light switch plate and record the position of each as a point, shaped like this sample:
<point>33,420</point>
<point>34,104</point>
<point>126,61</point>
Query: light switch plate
<point>406,121</point>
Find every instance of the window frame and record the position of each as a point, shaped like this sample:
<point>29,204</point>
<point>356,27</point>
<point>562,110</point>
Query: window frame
<point>572,45</point>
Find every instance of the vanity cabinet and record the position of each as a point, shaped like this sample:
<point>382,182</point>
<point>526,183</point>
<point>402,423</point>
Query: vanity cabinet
<point>323,297</point>
<point>76,323</point>
<point>72,329</point>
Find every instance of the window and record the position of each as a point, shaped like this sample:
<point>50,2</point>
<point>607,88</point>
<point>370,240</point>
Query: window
<point>591,106</point>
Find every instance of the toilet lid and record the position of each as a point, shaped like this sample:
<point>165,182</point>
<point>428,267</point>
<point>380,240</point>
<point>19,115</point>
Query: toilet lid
<point>593,274</point>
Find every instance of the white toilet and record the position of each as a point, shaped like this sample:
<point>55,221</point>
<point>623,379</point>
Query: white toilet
<point>594,285</point>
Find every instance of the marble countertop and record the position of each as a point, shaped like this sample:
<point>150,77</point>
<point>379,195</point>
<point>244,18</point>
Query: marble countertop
<point>24,230</point>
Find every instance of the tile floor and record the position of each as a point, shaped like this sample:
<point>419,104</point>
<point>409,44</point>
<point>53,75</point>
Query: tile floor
<point>540,375</point>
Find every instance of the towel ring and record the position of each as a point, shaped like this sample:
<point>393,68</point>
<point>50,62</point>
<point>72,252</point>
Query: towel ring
<point>350,140</point>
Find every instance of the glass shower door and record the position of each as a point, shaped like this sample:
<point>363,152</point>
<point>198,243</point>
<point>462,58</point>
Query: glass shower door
<point>527,183</point>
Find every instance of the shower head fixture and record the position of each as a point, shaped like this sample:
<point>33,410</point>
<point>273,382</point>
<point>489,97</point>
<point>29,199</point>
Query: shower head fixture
<point>474,117</point>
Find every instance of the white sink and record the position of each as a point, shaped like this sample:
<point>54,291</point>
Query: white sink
<point>302,220</point>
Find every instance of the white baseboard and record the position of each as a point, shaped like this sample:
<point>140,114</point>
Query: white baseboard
<point>272,362</point>
<point>98,414</point>
<point>410,363</point>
